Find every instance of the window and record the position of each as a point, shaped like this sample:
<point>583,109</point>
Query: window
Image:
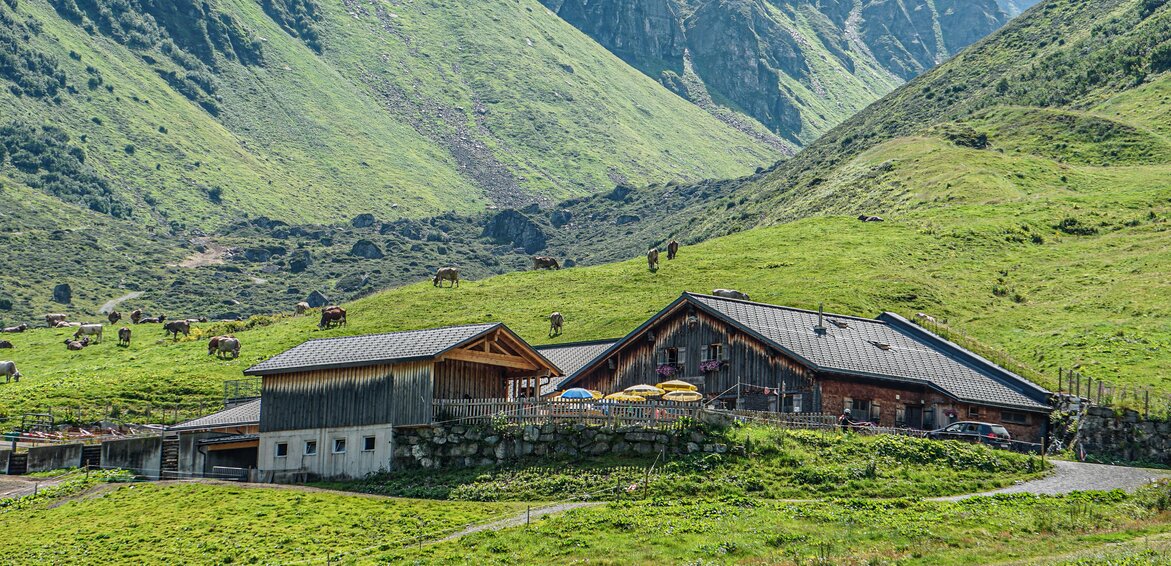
<point>368,444</point>
<point>714,352</point>
<point>791,403</point>
<point>672,356</point>
<point>1014,417</point>
<point>339,446</point>
<point>310,447</point>
<point>973,412</point>
<point>282,449</point>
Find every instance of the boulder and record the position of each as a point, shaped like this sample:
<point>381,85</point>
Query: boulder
<point>560,218</point>
<point>63,293</point>
<point>300,261</point>
<point>367,249</point>
<point>624,219</point>
<point>257,255</point>
<point>365,220</point>
<point>316,300</point>
<point>512,227</point>
<point>352,282</point>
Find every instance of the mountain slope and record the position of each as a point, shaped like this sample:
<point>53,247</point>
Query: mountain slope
<point>362,118</point>
<point>799,67</point>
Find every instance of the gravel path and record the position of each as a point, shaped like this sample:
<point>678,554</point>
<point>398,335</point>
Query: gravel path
<point>113,303</point>
<point>518,520</point>
<point>1078,476</point>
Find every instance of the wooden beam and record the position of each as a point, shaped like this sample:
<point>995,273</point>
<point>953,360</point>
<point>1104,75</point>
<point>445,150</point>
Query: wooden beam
<point>233,445</point>
<point>478,357</point>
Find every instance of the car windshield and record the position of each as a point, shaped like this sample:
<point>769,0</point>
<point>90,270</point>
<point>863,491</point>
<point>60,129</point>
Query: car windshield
<point>999,430</point>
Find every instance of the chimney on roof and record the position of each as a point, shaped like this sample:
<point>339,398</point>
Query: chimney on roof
<point>820,328</point>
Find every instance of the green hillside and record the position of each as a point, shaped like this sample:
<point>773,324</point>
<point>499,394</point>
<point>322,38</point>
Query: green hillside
<point>186,129</point>
<point>1040,229</point>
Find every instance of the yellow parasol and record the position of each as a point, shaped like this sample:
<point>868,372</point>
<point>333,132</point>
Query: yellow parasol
<point>597,394</point>
<point>684,396</point>
<point>624,397</point>
<point>644,390</point>
<point>676,385</point>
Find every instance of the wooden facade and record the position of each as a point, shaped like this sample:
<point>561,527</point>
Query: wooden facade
<point>398,393</point>
<point>685,338</point>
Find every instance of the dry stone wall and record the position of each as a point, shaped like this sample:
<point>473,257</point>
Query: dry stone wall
<point>1124,436</point>
<point>466,446</point>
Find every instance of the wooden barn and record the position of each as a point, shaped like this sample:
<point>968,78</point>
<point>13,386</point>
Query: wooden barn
<point>756,356</point>
<point>328,406</point>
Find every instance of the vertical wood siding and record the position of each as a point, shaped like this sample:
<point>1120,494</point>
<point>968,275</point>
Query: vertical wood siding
<point>748,361</point>
<point>413,393</point>
<point>327,398</point>
<point>457,379</point>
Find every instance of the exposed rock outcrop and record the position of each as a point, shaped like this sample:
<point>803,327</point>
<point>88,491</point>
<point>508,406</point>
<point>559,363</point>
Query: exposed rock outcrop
<point>512,227</point>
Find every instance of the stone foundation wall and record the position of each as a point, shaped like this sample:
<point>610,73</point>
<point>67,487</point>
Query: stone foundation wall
<point>1124,436</point>
<point>466,446</point>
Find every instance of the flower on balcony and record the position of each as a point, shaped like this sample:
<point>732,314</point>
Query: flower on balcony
<point>708,366</point>
<point>666,370</point>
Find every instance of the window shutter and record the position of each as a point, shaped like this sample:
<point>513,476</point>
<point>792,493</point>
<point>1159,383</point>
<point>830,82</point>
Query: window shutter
<point>725,354</point>
<point>875,412</point>
<point>662,354</point>
<point>683,357</point>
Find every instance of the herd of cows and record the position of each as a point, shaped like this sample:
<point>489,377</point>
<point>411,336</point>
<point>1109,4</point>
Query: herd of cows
<point>228,345</point>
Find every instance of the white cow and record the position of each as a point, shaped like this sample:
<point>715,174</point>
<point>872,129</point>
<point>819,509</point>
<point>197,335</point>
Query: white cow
<point>94,330</point>
<point>9,371</point>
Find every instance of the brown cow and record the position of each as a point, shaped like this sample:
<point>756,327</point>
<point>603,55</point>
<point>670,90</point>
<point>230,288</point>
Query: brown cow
<point>135,316</point>
<point>556,321</point>
<point>332,316</point>
<point>51,320</point>
<point>446,274</point>
<point>114,317</point>
<point>213,344</point>
<point>545,262</point>
<point>124,336</point>
<point>15,329</point>
<point>652,259</point>
<point>672,250</point>
<point>76,344</point>
<point>175,327</point>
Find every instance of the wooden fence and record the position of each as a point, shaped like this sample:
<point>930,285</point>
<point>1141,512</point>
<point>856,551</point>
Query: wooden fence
<point>543,411</point>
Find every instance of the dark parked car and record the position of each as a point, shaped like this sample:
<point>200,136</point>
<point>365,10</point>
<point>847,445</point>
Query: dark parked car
<point>970,431</point>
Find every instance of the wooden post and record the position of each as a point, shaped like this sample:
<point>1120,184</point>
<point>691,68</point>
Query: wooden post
<point>1059,379</point>
<point>1079,386</point>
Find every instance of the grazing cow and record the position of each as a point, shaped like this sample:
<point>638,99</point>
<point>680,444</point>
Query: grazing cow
<point>652,259</point>
<point>730,294</point>
<point>228,345</point>
<point>672,250</point>
<point>866,218</point>
<point>76,345</point>
<point>153,320</point>
<point>114,317</point>
<point>124,336</point>
<point>94,330</point>
<point>5,345</point>
<point>332,316</point>
<point>555,323</point>
<point>9,371</point>
<point>446,274</point>
<point>15,329</point>
<point>545,262</point>
<point>213,344</point>
<point>52,319</point>
<point>135,316</point>
<point>301,307</point>
<point>175,327</point>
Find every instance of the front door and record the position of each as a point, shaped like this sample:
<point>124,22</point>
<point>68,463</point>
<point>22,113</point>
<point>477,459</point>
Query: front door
<point>914,416</point>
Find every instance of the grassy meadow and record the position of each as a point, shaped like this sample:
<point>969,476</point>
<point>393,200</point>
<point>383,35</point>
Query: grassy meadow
<point>224,524</point>
<point>762,462</point>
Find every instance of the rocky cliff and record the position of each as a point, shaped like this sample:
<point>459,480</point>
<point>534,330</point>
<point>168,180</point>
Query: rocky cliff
<point>796,66</point>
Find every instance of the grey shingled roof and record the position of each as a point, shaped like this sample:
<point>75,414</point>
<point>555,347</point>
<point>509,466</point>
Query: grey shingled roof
<point>571,357</point>
<point>914,355</point>
<point>240,415</point>
<point>355,351</point>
